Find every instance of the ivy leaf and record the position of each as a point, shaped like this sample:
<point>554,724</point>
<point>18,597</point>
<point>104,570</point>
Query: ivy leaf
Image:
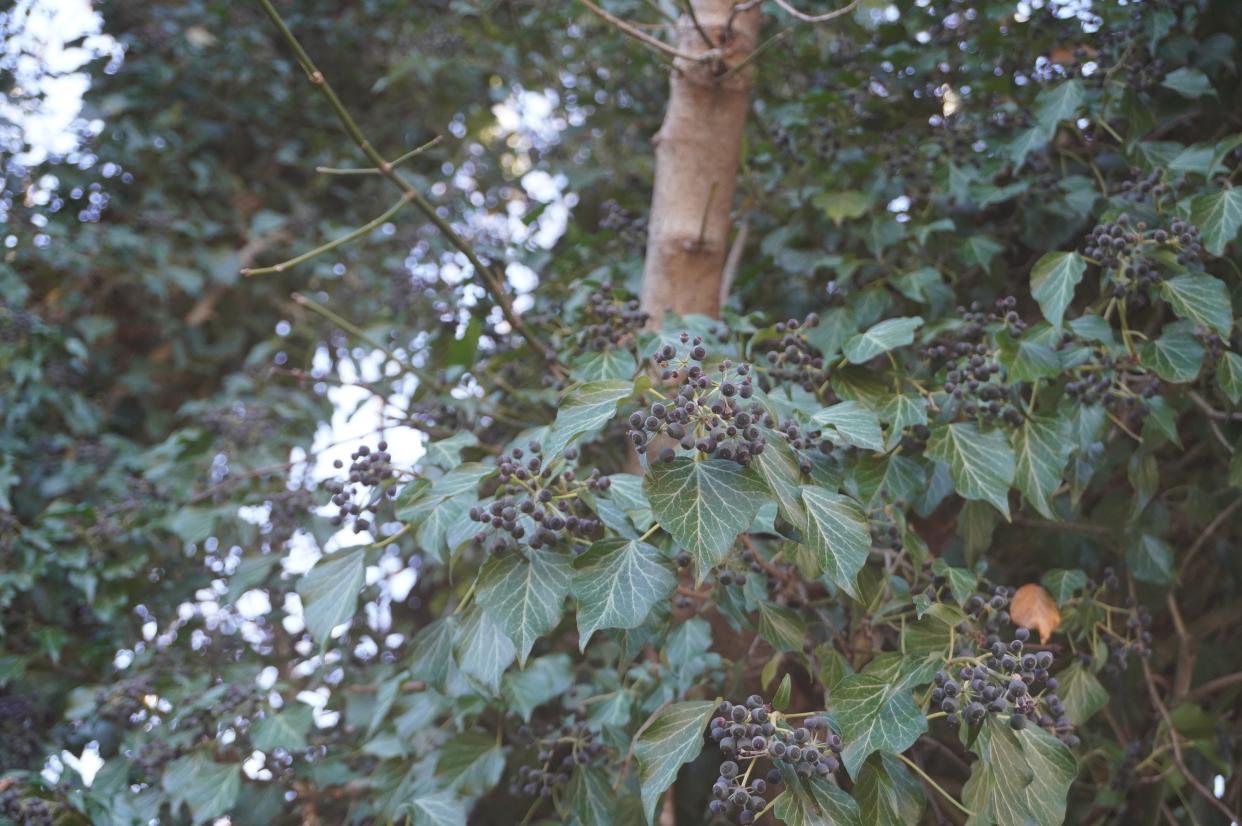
<point>524,596</point>
<point>286,729</point>
<point>1188,82</point>
<point>1026,142</point>
<point>1042,449</point>
<point>1028,358</point>
<point>962,581</point>
<point>1218,215</point>
<point>837,532</point>
<point>894,475</point>
<point>1229,376</point>
<point>329,592</point>
<point>780,700</point>
<point>1081,693</point>
<point>1021,778</point>
<point>782,627</point>
<point>887,793</point>
<point>446,453</point>
<point>612,363</point>
<point>432,652</point>
<point>1057,103</point>
<point>1176,355</point>
<point>704,505</point>
<point>471,761</point>
<point>543,679</point>
<point>877,713</point>
<point>981,465</point>
<point>1202,299</point>
<point>675,737</point>
<point>1053,280</point>
<point>440,809</point>
<point>616,582</point>
<point>585,408</point>
<point>590,796</point>
<point>484,651</point>
<point>841,205</point>
<point>979,250</point>
<point>813,802</point>
<point>778,467</point>
<point>1062,584</point>
<point>853,424</point>
<point>208,788</point>
<point>1150,560</point>
<point>880,338</point>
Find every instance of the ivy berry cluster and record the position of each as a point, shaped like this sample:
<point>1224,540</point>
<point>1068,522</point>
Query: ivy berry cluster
<point>610,321</point>
<point>535,495</point>
<point>750,732</point>
<point>560,749</point>
<point>793,359</point>
<point>707,413</point>
<point>368,469</point>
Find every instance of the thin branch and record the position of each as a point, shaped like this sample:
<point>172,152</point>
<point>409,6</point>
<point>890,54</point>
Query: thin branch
<point>641,36</point>
<point>1221,518</point>
<point>1195,782</point>
<point>365,229</point>
<point>491,283</point>
<point>371,170</point>
<point>927,779</point>
<point>1212,686</point>
<point>816,18</point>
<point>1212,412</point>
<point>733,261</point>
<point>754,55</point>
<point>694,18</point>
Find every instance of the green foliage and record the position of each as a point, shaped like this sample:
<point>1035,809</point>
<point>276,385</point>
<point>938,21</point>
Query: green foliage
<point>983,335</point>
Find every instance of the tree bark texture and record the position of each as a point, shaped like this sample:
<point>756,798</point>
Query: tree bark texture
<point>697,151</point>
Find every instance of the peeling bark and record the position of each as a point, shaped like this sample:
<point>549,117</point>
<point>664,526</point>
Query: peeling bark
<point>697,151</point>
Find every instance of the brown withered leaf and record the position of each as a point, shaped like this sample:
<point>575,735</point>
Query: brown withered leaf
<point>1034,607</point>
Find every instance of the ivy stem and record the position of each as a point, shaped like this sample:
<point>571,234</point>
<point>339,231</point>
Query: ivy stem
<point>649,532</point>
<point>465,600</point>
<point>487,275</point>
<point>413,153</point>
<point>927,779</point>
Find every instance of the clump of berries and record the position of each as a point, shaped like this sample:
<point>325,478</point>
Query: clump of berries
<point>1126,249</point>
<point>1118,382</point>
<point>18,806</point>
<point>368,470</point>
<point>793,359</point>
<point>751,733</point>
<point>610,321</point>
<point>539,502</point>
<point>974,379</point>
<point>708,411</point>
<point>1004,679</point>
<point>560,749</point>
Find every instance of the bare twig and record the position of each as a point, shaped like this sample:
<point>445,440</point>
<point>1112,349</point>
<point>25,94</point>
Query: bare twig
<point>1212,686</point>
<point>489,278</point>
<point>1212,412</point>
<point>365,229</point>
<point>1186,652</point>
<point>694,19</point>
<point>816,18</point>
<point>1221,518</point>
<point>1195,782</point>
<point>372,170</point>
<point>641,36</point>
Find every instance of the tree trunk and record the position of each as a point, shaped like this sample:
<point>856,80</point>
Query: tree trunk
<point>697,152</point>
